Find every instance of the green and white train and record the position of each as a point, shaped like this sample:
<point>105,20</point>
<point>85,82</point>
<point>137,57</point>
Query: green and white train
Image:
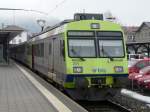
<point>86,57</point>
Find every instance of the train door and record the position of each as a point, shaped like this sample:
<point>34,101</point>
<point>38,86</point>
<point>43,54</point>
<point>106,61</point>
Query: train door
<point>53,54</point>
<point>1,53</point>
<point>56,60</point>
<point>46,56</point>
<point>50,55</point>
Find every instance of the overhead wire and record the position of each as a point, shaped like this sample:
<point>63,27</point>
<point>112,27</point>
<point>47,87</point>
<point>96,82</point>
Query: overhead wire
<point>58,5</point>
<point>37,11</point>
<point>41,12</point>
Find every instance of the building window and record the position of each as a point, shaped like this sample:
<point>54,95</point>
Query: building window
<point>14,41</point>
<point>20,40</point>
<point>133,38</point>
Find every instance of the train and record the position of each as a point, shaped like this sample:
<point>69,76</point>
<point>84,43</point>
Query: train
<point>86,56</point>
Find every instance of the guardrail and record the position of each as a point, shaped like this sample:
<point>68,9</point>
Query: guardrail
<point>136,96</point>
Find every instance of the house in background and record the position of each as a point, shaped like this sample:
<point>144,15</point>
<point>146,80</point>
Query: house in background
<point>143,33</point>
<point>138,39</point>
<point>130,33</point>
<point>22,37</point>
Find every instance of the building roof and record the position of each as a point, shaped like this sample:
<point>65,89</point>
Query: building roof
<point>10,32</point>
<point>147,23</point>
<point>13,28</point>
<point>130,29</point>
<point>144,23</point>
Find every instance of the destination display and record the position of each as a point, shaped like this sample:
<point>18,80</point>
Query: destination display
<point>109,34</point>
<point>81,33</point>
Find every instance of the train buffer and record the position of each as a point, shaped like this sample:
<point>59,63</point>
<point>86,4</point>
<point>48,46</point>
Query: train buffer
<point>23,91</point>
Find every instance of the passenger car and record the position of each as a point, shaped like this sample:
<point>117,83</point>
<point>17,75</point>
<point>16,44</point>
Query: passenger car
<point>144,81</point>
<point>135,65</point>
<point>142,73</point>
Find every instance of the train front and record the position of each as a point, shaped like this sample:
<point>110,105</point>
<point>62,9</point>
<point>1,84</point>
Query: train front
<point>96,62</point>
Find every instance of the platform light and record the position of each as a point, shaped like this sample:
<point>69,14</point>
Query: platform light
<point>41,23</point>
<point>95,26</point>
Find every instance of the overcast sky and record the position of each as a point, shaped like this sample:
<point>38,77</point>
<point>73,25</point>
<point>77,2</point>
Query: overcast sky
<point>129,12</point>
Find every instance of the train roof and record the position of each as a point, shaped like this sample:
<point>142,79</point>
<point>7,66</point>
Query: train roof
<point>55,26</point>
<point>77,17</point>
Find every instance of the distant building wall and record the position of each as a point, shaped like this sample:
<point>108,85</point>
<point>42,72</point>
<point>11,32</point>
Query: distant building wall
<point>142,40</point>
<point>129,33</point>
<point>22,37</point>
<point>143,34</point>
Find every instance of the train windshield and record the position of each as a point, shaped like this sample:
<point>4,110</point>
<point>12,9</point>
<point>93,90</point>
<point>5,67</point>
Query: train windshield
<point>82,48</point>
<point>111,48</point>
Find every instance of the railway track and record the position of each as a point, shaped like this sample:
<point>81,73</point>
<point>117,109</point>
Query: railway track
<point>131,104</point>
<point>103,106</point>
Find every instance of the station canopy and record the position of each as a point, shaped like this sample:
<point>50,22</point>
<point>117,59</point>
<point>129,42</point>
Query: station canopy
<point>9,32</point>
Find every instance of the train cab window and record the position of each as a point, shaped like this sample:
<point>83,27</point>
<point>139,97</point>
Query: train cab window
<point>111,48</point>
<point>110,44</point>
<point>82,48</point>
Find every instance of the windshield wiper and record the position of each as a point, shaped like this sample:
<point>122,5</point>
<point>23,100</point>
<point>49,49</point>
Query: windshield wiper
<point>106,53</point>
<point>74,52</point>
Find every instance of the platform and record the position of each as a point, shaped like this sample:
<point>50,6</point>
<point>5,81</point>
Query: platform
<point>23,91</point>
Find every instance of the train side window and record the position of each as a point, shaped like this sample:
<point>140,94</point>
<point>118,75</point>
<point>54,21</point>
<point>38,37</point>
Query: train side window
<point>29,48</point>
<point>62,48</point>
<point>35,50</point>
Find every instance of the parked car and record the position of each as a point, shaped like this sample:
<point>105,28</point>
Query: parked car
<point>135,65</point>
<point>144,81</point>
<point>142,73</point>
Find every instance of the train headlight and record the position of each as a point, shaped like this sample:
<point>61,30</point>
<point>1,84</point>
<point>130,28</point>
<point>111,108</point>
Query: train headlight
<point>77,69</point>
<point>118,69</point>
<point>95,26</point>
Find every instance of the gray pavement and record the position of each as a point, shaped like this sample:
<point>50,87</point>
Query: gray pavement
<point>17,94</point>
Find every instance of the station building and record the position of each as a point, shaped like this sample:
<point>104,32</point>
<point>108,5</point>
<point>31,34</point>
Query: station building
<point>6,35</point>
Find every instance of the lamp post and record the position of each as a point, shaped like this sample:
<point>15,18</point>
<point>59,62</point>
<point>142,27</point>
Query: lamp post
<point>41,23</point>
